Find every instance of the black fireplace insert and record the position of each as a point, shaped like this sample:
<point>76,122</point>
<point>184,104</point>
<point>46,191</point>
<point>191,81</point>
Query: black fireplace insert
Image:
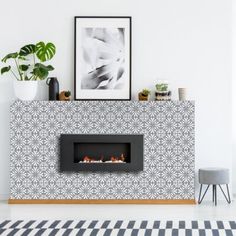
<point>96,152</point>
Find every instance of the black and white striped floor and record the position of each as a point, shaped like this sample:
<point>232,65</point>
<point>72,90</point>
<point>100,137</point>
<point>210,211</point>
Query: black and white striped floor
<point>119,228</point>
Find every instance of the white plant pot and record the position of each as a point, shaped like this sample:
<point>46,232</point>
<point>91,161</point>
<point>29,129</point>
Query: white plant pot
<point>42,91</point>
<point>25,90</point>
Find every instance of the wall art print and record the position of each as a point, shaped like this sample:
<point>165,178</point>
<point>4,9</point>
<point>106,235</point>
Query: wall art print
<point>102,58</point>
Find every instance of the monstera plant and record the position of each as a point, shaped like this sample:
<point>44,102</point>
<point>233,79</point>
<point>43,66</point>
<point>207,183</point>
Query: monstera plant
<point>28,66</point>
<point>29,61</point>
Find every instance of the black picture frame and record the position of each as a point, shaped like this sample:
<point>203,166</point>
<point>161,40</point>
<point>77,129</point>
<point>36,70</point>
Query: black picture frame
<point>129,74</point>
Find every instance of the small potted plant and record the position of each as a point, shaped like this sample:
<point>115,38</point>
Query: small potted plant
<point>28,68</point>
<point>144,95</point>
<point>65,96</point>
<point>162,92</point>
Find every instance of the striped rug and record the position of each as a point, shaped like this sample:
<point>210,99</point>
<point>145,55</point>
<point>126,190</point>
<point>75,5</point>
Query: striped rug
<point>117,227</point>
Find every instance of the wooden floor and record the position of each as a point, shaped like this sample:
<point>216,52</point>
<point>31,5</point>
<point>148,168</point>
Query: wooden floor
<point>101,201</point>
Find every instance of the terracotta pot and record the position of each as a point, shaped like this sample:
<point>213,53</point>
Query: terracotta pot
<point>62,96</point>
<point>142,97</point>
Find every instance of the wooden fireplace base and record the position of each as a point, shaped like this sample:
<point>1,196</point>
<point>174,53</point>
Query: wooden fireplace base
<point>102,201</point>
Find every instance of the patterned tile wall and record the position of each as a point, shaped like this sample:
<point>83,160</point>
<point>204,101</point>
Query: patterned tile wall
<point>168,129</point>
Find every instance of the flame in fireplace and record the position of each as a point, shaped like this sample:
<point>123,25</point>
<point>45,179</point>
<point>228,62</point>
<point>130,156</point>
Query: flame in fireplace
<point>113,159</point>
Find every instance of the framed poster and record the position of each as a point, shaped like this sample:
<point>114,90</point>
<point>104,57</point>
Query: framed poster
<point>102,58</point>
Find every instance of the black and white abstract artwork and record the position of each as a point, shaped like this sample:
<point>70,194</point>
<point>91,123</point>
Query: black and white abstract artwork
<point>102,58</point>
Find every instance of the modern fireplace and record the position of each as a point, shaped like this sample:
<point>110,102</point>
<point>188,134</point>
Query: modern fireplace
<point>101,152</point>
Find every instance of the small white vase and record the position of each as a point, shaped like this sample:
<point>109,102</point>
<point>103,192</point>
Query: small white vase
<point>182,94</point>
<point>25,90</point>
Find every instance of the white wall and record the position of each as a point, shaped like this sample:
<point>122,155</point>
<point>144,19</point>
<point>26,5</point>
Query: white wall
<point>186,42</point>
<point>234,91</point>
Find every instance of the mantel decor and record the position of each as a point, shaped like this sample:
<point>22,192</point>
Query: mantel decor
<point>28,65</point>
<point>168,152</point>
<point>102,58</point>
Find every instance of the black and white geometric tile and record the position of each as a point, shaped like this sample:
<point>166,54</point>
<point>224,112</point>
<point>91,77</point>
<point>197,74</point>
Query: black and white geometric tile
<point>118,228</point>
<point>168,129</point>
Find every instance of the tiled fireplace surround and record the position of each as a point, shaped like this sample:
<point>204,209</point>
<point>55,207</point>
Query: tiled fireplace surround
<point>167,128</point>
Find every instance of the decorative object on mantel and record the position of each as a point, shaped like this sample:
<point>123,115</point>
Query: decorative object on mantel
<point>65,96</point>
<point>144,95</point>
<point>53,88</point>
<point>182,94</point>
<point>102,58</point>
<point>27,70</point>
<point>162,92</point>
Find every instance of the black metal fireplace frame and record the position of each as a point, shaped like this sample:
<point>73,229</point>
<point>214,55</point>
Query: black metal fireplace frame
<point>67,142</point>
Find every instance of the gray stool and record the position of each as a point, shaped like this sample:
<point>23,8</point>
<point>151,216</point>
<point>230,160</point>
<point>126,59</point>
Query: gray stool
<point>214,177</point>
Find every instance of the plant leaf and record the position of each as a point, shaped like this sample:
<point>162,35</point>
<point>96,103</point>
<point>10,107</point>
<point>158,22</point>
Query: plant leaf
<point>10,56</point>
<point>22,58</point>
<point>41,71</point>
<point>24,67</point>
<point>5,69</point>
<point>50,68</point>
<point>44,51</point>
<point>27,49</point>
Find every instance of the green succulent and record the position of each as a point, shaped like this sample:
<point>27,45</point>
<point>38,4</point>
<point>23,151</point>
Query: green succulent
<point>162,87</point>
<point>67,93</point>
<point>146,92</point>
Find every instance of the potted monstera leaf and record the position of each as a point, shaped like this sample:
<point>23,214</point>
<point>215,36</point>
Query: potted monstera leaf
<point>28,67</point>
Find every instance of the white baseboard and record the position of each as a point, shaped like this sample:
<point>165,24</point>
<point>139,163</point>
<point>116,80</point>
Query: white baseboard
<point>4,196</point>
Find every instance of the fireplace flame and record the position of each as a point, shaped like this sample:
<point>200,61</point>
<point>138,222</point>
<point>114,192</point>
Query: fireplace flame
<point>120,159</point>
<point>87,159</point>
